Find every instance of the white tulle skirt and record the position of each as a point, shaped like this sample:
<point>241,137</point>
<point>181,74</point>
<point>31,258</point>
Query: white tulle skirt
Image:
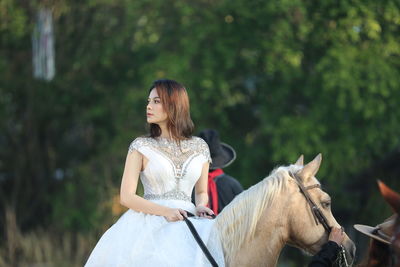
<point>139,239</point>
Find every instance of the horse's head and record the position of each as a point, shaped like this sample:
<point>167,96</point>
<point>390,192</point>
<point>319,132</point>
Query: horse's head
<point>393,198</point>
<point>310,214</point>
<point>260,221</point>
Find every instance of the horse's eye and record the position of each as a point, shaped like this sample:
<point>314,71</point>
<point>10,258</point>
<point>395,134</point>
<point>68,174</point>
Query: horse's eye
<point>326,205</point>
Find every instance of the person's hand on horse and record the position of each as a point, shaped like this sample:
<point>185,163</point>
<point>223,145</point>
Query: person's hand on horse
<point>337,235</point>
<point>174,215</point>
<point>205,212</point>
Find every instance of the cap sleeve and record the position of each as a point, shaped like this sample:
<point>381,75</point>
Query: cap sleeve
<point>136,144</point>
<point>204,150</point>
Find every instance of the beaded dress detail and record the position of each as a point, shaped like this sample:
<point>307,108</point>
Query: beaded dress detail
<point>176,160</point>
<point>139,239</point>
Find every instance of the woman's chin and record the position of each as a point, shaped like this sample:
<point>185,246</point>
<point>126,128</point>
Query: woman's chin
<point>151,121</point>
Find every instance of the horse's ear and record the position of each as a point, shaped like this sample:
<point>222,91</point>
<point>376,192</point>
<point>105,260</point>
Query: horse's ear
<point>300,161</point>
<point>311,168</point>
<point>390,196</point>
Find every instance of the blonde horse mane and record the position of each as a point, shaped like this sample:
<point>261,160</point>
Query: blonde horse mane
<point>237,222</point>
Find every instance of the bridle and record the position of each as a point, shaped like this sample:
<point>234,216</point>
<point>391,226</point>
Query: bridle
<point>319,217</point>
<point>317,213</point>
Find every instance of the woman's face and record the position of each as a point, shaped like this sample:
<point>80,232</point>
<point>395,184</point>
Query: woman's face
<point>155,110</point>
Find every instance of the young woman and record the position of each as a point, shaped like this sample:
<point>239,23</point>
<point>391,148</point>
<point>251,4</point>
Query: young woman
<point>169,162</point>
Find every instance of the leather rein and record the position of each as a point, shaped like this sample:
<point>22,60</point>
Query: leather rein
<point>198,239</point>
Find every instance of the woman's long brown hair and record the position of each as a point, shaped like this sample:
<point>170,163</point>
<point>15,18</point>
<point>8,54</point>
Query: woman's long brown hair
<point>175,101</point>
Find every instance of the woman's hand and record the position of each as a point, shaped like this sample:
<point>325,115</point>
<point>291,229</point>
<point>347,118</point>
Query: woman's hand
<point>203,211</point>
<point>337,235</point>
<point>173,215</point>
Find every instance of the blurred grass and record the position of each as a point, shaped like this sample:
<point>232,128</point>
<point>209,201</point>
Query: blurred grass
<point>46,249</point>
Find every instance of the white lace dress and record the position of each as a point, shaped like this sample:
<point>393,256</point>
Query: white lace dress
<point>139,239</point>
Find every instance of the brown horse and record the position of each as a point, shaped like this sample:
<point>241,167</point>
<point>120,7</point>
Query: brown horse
<point>259,222</point>
<point>393,198</point>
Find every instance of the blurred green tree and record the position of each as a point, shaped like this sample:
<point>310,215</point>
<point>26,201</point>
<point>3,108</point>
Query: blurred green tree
<point>277,79</point>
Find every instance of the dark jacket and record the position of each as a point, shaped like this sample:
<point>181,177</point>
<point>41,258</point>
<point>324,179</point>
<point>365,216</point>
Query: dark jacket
<point>227,187</point>
<point>326,256</point>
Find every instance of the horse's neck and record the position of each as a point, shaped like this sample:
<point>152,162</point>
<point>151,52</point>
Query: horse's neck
<point>266,245</point>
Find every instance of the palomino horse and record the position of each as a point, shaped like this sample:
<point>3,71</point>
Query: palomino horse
<point>393,198</point>
<point>260,221</point>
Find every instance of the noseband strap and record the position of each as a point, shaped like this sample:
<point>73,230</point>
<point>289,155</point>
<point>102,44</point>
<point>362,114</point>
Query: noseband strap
<point>317,213</point>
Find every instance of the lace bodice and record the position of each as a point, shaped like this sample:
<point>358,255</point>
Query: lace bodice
<point>172,170</point>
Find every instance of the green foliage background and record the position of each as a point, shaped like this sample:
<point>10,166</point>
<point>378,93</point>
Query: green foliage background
<point>276,78</point>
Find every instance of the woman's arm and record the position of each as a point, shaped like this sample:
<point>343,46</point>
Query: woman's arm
<point>202,193</point>
<point>128,197</point>
<point>201,187</point>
